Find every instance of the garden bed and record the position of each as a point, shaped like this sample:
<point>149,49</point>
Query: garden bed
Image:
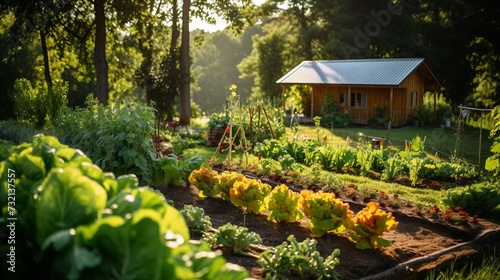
<point>419,243</point>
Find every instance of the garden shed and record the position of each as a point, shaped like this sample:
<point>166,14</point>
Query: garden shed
<point>392,87</point>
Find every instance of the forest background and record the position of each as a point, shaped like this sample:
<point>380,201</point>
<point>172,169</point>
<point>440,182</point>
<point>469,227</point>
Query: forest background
<point>145,50</point>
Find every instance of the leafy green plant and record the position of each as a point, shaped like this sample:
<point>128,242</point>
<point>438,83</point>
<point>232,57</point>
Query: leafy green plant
<point>205,180</point>
<point>17,132</point>
<point>79,222</point>
<point>238,238</point>
<point>196,219</point>
<point>492,163</point>
<point>368,226</point>
<point>482,199</point>
<point>117,137</point>
<point>364,160</point>
<point>250,194</point>
<point>324,156</point>
<point>298,259</point>
<point>326,212</point>
<point>284,205</point>
<point>37,105</point>
<point>176,171</point>
<point>393,167</point>
<point>414,165</point>
<point>226,180</point>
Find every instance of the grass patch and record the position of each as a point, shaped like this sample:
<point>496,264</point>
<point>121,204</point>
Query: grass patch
<point>486,267</point>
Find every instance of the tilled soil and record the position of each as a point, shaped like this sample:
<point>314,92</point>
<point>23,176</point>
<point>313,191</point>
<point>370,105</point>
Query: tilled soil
<point>418,245</point>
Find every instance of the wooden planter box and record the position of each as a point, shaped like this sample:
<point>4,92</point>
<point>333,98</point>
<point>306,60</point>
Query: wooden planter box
<point>214,135</point>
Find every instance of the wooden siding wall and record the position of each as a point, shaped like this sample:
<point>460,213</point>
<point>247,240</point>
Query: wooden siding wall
<point>414,82</point>
<point>375,96</point>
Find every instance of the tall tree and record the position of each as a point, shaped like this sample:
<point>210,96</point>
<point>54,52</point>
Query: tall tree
<point>185,93</point>
<point>100,62</point>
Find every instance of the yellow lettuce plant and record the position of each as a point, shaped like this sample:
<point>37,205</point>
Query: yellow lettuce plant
<point>284,205</point>
<point>326,212</point>
<point>368,226</point>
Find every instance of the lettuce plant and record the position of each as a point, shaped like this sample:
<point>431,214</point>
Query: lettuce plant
<point>299,259</point>
<point>250,194</point>
<point>284,205</point>
<point>78,222</point>
<point>326,212</point>
<point>368,226</point>
<point>238,238</point>
<point>204,179</point>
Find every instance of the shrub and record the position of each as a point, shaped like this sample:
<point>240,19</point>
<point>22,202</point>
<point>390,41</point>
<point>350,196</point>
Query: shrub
<point>117,137</point>
<point>331,115</point>
<point>16,132</point>
<point>36,105</point>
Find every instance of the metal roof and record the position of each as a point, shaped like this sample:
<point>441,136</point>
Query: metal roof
<point>379,72</point>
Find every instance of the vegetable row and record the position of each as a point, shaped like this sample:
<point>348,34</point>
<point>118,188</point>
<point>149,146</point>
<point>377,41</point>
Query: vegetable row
<point>325,212</point>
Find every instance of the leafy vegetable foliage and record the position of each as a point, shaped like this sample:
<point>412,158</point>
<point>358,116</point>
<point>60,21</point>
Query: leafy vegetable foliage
<point>204,179</point>
<point>369,224</point>
<point>196,219</point>
<point>300,259</point>
<point>236,237</point>
<point>284,205</point>
<point>250,194</point>
<point>326,212</point>
<point>480,199</point>
<point>78,222</point>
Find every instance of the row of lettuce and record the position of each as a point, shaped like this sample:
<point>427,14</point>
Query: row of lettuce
<point>325,212</point>
<point>412,162</point>
<point>67,219</point>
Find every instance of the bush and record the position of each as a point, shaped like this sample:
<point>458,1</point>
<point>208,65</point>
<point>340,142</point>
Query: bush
<point>37,105</point>
<point>331,115</point>
<point>116,137</point>
<point>16,132</point>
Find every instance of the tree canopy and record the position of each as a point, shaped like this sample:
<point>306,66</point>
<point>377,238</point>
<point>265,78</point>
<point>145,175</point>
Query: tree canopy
<point>135,49</point>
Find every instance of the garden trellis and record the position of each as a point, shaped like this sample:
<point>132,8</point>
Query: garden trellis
<point>464,112</point>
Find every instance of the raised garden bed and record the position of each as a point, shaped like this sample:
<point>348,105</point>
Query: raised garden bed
<point>419,243</point>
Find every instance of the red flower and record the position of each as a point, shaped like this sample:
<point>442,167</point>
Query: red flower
<point>475,218</point>
<point>458,208</point>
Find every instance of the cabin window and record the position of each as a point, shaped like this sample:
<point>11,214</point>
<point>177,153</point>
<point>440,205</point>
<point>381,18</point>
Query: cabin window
<point>414,99</point>
<point>358,99</point>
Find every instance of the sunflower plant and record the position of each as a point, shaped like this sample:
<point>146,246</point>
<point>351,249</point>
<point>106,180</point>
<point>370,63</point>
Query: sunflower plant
<point>326,212</point>
<point>368,226</point>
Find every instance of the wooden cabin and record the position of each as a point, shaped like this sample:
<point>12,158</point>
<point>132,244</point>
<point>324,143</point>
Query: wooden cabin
<point>364,87</point>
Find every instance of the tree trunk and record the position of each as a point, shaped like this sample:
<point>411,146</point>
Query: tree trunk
<point>185,95</point>
<point>100,63</point>
<point>46,66</point>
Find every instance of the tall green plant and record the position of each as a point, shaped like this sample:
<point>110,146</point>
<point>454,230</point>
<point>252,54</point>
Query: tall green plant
<point>37,105</point>
<point>117,137</point>
<point>493,162</point>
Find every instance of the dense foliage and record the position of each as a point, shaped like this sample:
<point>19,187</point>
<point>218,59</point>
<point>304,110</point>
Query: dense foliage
<point>74,221</point>
<point>144,42</point>
<point>117,137</point>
